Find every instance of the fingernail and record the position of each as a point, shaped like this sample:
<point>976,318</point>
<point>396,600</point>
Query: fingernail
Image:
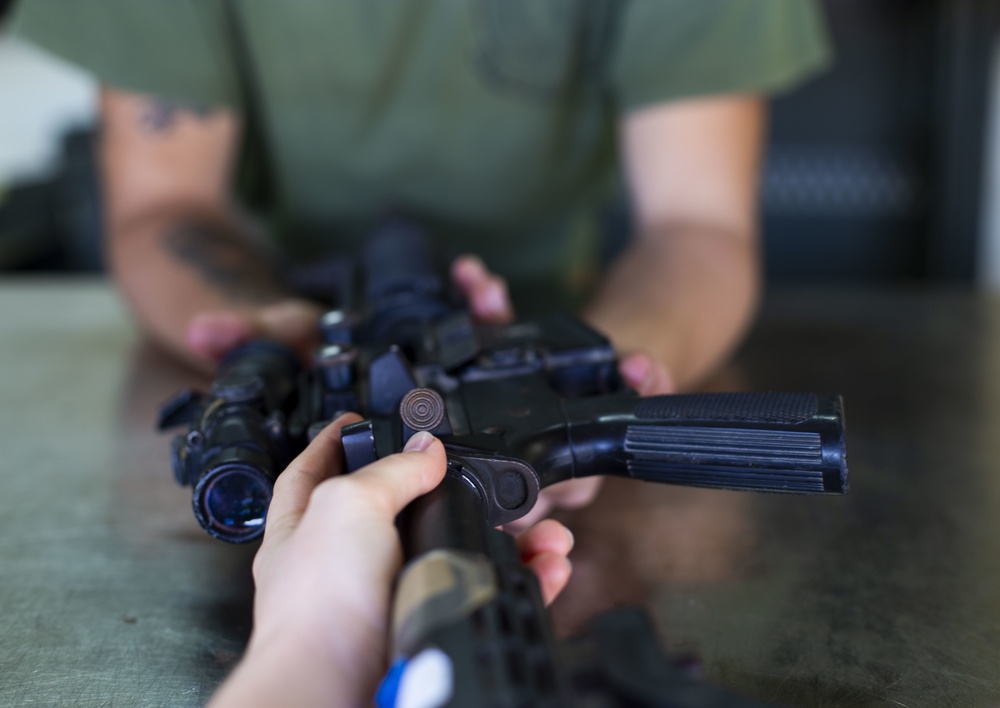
<point>419,442</point>
<point>572,539</point>
<point>636,370</point>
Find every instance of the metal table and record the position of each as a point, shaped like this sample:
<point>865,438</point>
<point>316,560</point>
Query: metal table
<point>110,594</point>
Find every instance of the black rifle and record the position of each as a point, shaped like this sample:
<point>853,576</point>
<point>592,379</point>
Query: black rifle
<point>519,407</point>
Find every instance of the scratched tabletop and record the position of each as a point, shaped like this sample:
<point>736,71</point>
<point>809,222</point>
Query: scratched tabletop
<point>111,595</point>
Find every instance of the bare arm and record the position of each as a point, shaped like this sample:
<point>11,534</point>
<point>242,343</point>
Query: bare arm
<point>176,243</point>
<point>682,294</point>
<point>686,288</point>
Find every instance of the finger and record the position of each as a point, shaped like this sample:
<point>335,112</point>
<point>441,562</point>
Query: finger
<point>396,480</point>
<point>538,512</point>
<point>467,271</point>
<point>293,488</point>
<point>294,323</point>
<point>553,571</point>
<point>548,536</point>
<point>571,494</point>
<point>212,335</point>
<point>486,292</point>
<point>645,375</point>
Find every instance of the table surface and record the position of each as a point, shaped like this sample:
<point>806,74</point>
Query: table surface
<point>110,594</point>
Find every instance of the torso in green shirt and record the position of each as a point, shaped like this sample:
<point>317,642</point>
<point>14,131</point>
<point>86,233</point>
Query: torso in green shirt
<point>493,121</point>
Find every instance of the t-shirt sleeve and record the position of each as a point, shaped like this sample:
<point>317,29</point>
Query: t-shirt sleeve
<point>668,49</point>
<point>177,49</point>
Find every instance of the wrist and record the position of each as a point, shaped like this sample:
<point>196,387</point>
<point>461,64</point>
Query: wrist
<point>293,669</point>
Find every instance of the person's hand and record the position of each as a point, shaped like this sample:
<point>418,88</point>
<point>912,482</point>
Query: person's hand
<point>293,322</point>
<point>325,569</point>
<point>489,301</point>
<point>643,374</point>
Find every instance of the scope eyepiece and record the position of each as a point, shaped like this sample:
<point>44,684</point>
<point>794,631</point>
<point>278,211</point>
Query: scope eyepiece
<point>231,501</point>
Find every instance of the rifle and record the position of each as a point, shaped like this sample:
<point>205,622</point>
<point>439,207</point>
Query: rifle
<point>518,407</point>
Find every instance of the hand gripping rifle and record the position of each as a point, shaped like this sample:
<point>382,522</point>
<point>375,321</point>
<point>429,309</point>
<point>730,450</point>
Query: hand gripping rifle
<point>519,407</point>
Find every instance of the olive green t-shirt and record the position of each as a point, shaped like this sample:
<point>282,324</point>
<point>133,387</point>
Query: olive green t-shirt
<point>492,121</point>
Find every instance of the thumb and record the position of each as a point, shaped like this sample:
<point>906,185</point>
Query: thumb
<point>396,480</point>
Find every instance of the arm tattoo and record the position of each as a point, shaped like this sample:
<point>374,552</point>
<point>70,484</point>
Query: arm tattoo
<point>162,116</point>
<point>227,261</point>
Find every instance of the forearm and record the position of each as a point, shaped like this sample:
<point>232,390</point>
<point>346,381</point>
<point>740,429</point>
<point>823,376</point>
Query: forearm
<point>684,294</point>
<point>294,677</point>
<point>177,243</point>
<point>173,264</point>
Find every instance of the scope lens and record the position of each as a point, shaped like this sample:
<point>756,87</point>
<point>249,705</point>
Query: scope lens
<point>236,502</point>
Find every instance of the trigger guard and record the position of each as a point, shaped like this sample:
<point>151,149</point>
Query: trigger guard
<point>508,487</point>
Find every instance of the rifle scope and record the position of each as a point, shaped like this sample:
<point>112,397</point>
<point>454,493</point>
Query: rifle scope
<point>238,441</point>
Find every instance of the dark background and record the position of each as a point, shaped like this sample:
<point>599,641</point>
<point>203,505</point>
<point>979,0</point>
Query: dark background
<point>874,171</point>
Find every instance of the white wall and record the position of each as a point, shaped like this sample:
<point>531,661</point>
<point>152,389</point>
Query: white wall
<point>989,259</point>
<point>40,98</point>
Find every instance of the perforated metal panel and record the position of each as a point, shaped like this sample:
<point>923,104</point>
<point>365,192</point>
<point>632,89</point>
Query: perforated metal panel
<point>873,169</point>
<point>838,181</point>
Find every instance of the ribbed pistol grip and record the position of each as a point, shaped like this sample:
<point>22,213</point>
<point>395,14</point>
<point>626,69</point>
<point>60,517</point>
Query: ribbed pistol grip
<point>777,442</point>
